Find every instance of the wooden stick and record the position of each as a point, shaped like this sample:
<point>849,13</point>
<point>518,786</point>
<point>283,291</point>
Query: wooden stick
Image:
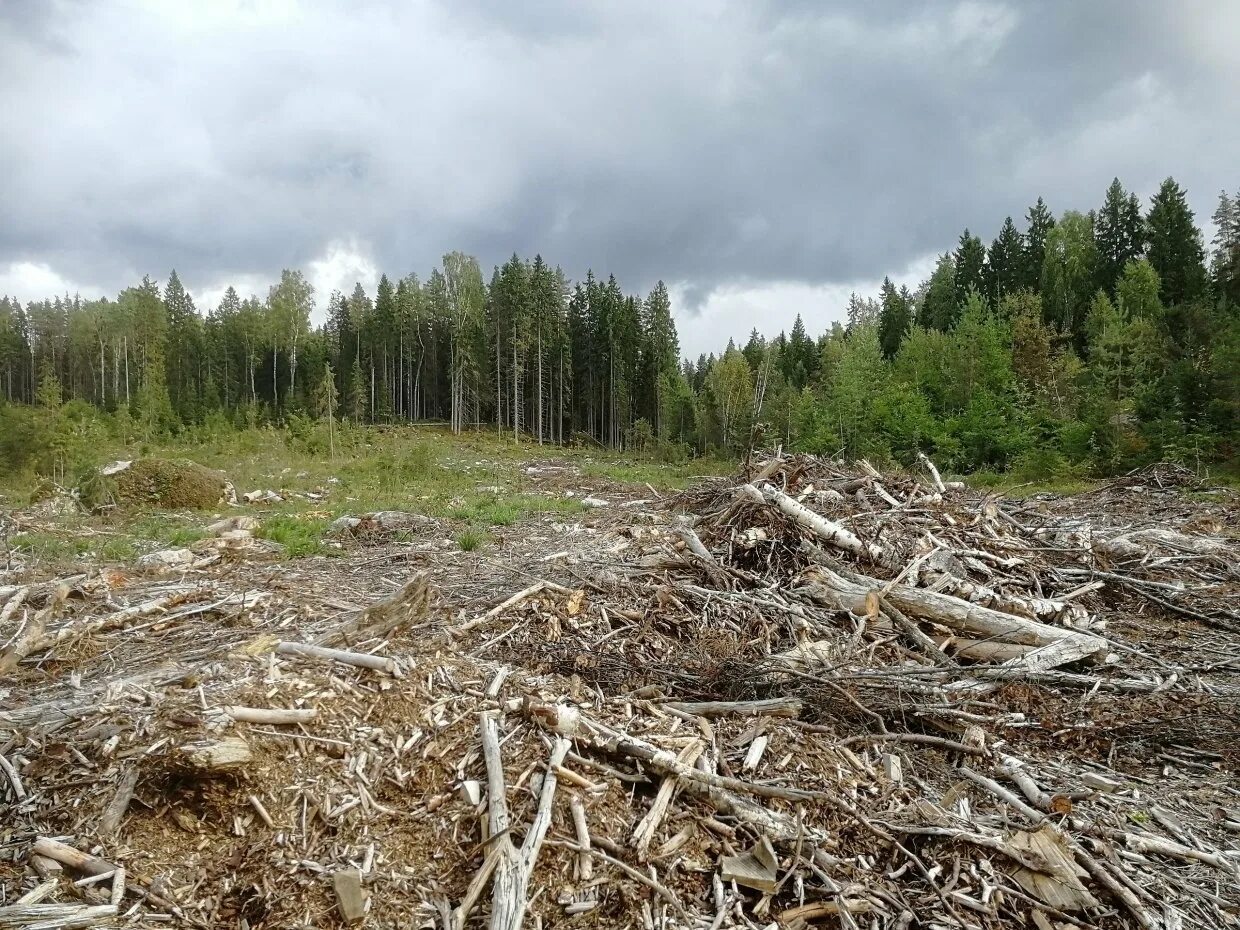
<point>771,707</point>
<point>934,472</point>
<point>270,714</point>
<point>939,742</point>
<point>718,790</point>
<point>513,868</point>
<point>93,865</point>
<point>632,873</point>
<point>10,772</point>
<point>15,601</point>
<point>114,813</point>
<point>647,826</point>
<point>54,916</point>
<point>357,659</point>
<point>585,863</point>
<point>831,589</point>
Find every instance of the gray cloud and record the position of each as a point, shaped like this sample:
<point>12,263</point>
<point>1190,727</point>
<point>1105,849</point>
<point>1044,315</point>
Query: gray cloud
<point>705,142</point>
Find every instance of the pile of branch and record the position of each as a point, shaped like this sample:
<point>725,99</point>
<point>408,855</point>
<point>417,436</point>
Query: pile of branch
<point>815,695</point>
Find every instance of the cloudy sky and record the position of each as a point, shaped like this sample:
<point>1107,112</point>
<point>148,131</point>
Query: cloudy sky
<point>763,158</point>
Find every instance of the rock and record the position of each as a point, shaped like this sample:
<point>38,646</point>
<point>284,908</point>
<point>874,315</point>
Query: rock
<point>396,520</point>
<point>594,502</point>
<point>262,497</point>
<point>243,522</point>
<point>350,900</point>
<point>343,525</point>
<point>115,467</point>
<point>235,539</point>
<point>382,521</point>
<point>166,558</point>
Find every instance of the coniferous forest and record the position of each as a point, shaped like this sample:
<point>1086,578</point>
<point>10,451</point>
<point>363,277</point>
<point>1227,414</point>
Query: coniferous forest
<point>1086,343</point>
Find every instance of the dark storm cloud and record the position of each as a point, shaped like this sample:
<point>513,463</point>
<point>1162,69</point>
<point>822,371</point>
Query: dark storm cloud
<point>701,142</point>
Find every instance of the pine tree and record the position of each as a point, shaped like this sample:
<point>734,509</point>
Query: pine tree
<point>325,403</point>
<point>1225,260</point>
<point>1175,248</point>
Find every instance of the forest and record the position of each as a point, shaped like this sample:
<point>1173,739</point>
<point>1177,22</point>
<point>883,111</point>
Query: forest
<point>1082,344</point>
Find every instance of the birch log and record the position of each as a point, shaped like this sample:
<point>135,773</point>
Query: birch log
<point>828,531</point>
<point>826,587</point>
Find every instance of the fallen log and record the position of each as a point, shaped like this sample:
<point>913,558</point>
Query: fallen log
<point>828,531</point>
<point>826,587</point>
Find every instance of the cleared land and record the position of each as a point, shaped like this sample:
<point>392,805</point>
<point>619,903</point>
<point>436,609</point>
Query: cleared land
<point>571,689</point>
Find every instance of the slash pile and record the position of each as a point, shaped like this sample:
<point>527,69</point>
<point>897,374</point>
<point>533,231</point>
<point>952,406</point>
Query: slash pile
<point>813,695</point>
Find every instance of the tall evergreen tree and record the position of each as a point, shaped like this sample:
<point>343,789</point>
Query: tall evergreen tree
<point>1004,263</point>
<point>970,261</point>
<point>1175,248</point>
<point>939,306</point>
<point>1119,230</point>
<point>1041,221</point>
<point>894,318</point>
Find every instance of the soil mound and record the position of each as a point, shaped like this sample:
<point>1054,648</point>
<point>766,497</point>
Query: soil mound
<point>172,484</point>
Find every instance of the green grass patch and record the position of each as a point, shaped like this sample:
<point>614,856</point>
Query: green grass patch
<point>49,547</point>
<point>117,549</point>
<point>300,536</point>
<point>470,539</point>
<point>674,477</point>
<point>166,530</point>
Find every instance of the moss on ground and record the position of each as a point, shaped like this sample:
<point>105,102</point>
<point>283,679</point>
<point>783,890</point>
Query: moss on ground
<point>170,484</point>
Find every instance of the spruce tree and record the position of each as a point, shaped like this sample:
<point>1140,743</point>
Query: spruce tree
<point>1119,230</point>
<point>970,261</point>
<point>1175,248</point>
<point>939,307</point>
<point>1041,222</point>
<point>894,318</point>
<point>1004,263</point>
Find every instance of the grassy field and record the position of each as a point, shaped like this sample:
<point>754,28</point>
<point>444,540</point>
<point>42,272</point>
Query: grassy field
<point>476,482</point>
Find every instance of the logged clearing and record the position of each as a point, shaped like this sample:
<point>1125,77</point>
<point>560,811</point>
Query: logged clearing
<point>553,693</point>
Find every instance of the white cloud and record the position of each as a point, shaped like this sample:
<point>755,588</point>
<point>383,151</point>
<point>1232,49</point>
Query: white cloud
<point>342,265</point>
<point>731,311</point>
<point>36,281</point>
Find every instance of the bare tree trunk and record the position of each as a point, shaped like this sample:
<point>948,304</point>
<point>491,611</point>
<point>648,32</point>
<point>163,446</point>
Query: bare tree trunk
<point>538,393</point>
<point>292,381</point>
<point>516,389</point>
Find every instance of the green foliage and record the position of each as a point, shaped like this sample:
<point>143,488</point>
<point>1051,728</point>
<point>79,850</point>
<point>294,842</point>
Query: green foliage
<point>299,535</point>
<point>1003,350</point>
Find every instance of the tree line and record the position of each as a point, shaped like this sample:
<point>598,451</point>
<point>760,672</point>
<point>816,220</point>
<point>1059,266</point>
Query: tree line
<point>1086,341</point>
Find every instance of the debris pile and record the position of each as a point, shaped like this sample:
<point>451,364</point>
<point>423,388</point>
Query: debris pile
<point>814,695</point>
